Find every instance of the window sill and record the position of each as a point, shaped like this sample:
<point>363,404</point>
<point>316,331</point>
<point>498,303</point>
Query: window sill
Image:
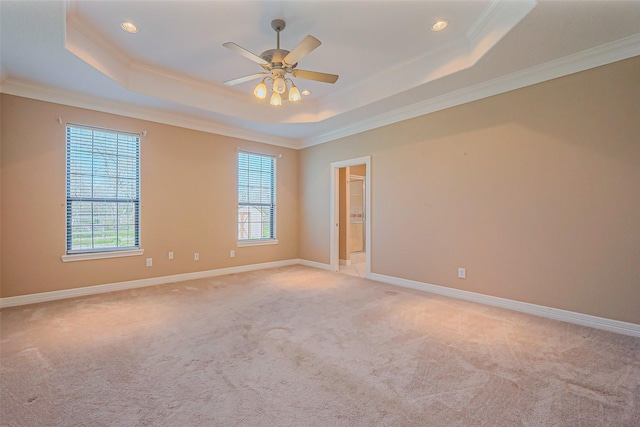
<point>242,243</point>
<point>101,255</point>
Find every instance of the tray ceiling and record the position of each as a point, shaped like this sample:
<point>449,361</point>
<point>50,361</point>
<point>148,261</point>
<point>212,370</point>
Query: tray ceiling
<point>391,65</point>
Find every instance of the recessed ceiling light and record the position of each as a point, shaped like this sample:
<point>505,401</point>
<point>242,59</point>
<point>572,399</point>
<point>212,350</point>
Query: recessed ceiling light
<point>439,25</point>
<point>305,92</point>
<point>129,27</point>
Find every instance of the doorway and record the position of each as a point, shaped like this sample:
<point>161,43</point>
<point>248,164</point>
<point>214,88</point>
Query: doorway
<point>356,217</point>
<point>350,219</point>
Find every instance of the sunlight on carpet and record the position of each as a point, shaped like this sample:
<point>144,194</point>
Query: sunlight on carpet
<point>299,346</point>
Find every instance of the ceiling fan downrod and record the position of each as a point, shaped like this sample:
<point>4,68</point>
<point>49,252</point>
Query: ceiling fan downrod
<point>278,25</point>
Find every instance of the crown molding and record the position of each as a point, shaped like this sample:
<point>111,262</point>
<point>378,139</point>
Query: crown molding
<point>25,89</point>
<point>605,54</point>
<point>82,40</point>
<point>601,55</point>
<point>498,14</point>
<point>480,24</point>
<point>495,21</point>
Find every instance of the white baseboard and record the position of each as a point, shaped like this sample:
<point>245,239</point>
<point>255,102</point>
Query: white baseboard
<point>315,264</point>
<point>538,310</point>
<point>140,283</point>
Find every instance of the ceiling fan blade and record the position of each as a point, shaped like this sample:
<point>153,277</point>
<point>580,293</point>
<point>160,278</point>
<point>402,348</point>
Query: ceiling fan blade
<point>301,50</point>
<point>314,75</point>
<point>244,52</point>
<point>244,79</point>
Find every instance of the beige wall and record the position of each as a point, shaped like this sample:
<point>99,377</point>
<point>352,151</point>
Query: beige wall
<point>536,192</point>
<point>188,201</point>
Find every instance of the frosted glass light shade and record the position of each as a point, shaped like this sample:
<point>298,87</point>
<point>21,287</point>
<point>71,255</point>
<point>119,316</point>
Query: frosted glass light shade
<point>276,99</point>
<point>260,91</point>
<point>294,93</point>
<point>279,85</point>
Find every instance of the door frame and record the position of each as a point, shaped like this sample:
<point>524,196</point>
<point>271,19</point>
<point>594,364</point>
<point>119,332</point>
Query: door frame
<point>334,225</point>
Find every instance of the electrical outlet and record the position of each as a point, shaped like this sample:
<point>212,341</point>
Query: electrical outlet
<point>462,273</point>
<point>232,253</point>
<point>170,255</point>
<point>149,262</point>
<point>196,256</point>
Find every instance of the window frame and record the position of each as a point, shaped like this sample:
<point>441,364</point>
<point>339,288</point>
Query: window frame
<point>272,205</point>
<point>94,252</point>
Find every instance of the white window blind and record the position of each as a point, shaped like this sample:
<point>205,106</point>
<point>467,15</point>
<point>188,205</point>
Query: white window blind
<point>103,190</point>
<point>256,197</point>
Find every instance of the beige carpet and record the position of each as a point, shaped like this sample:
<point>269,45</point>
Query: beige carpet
<point>298,346</point>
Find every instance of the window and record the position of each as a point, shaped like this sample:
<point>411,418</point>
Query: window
<point>256,198</point>
<point>103,190</point>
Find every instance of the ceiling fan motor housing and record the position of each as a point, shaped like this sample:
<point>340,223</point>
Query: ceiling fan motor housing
<point>276,57</point>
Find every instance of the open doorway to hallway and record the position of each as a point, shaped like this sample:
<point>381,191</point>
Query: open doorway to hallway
<point>350,220</point>
<point>352,199</point>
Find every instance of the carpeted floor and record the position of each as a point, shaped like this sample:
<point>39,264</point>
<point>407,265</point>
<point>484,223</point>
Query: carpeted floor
<point>298,346</point>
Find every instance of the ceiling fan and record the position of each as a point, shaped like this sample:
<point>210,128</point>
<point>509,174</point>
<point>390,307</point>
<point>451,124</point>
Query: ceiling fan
<point>277,63</point>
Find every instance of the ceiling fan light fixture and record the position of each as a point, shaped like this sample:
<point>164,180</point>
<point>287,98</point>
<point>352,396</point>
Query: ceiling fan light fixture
<point>278,65</point>
<point>276,99</point>
<point>261,90</point>
<point>279,85</point>
<point>439,25</point>
<point>294,93</point>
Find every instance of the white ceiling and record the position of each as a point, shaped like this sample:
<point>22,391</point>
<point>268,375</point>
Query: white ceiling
<point>391,65</point>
